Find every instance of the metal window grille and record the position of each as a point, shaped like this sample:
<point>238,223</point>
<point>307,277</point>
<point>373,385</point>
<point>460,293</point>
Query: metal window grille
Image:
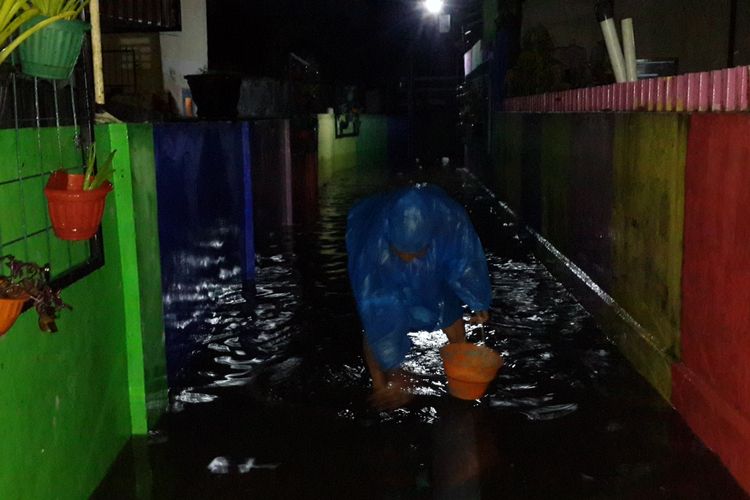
<point>44,126</point>
<point>120,76</point>
<point>143,15</point>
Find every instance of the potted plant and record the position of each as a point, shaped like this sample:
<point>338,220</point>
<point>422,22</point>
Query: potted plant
<point>215,93</point>
<point>76,201</point>
<point>14,13</point>
<point>24,282</point>
<point>52,51</point>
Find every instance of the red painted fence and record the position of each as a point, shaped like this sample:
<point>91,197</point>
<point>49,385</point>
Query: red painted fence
<point>711,386</point>
<point>720,90</point>
<point>599,185</point>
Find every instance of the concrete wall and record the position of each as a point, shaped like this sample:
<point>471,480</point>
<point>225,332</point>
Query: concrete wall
<point>650,206</point>
<point>272,173</point>
<point>742,46</point>
<point>71,400</point>
<point>185,52</point>
<point>659,27</point>
<point>660,30</point>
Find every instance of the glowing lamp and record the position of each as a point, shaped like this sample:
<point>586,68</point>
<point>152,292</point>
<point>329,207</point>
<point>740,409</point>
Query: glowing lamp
<point>433,6</point>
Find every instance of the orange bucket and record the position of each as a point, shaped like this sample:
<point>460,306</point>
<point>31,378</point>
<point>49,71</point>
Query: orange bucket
<point>470,368</point>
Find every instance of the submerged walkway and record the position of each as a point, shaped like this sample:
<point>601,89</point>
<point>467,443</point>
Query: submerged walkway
<point>272,400</point>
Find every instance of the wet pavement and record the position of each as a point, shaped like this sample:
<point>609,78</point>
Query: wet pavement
<point>269,394</point>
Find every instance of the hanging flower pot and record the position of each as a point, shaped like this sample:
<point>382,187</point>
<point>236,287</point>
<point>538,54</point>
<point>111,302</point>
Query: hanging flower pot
<point>10,309</point>
<point>21,282</point>
<point>75,213</point>
<point>76,201</point>
<point>51,52</point>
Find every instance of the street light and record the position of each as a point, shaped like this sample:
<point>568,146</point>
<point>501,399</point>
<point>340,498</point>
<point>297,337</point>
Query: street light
<point>433,6</point>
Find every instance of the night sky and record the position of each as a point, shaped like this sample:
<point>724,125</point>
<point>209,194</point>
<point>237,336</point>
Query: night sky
<point>365,42</point>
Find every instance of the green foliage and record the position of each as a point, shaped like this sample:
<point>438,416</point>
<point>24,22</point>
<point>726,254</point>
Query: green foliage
<point>70,9</point>
<point>14,13</point>
<point>94,179</point>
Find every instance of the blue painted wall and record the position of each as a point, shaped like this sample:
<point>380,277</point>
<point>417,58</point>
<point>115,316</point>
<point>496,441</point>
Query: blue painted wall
<point>205,224</point>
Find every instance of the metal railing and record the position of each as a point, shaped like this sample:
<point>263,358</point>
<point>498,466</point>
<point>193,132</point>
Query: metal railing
<point>120,75</point>
<point>141,15</point>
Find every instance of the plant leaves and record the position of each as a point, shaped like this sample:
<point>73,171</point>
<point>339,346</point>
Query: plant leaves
<point>104,173</point>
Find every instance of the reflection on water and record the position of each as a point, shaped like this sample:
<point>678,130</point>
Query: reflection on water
<point>301,340</point>
<point>269,390</point>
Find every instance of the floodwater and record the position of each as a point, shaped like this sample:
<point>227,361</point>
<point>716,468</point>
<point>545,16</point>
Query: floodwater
<point>270,396</point>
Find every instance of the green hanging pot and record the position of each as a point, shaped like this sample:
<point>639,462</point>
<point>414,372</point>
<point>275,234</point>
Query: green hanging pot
<point>52,52</point>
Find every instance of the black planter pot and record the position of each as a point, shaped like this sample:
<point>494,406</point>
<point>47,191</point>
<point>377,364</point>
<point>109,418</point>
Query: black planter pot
<point>215,94</point>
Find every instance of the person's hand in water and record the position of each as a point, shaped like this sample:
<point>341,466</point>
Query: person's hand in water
<point>394,394</point>
<point>479,318</point>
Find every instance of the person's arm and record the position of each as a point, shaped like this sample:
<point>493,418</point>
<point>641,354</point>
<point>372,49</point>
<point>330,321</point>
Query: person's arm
<point>480,317</point>
<point>379,302</point>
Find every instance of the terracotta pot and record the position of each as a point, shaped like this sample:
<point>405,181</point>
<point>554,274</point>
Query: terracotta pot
<point>10,309</point>
<point>470,369</point>
<point>75,214</point>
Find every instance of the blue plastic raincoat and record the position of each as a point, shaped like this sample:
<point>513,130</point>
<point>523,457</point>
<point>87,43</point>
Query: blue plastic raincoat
<point>395,297</point>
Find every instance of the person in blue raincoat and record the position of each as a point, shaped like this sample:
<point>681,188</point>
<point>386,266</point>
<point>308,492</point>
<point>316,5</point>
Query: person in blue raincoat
<point>414,261</point>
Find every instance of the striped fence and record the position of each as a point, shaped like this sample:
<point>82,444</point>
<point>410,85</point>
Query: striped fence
<point>720,90</point>
<point>652,208</point>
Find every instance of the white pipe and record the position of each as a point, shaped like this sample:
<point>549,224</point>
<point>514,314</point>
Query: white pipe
<point>613,49</point>
<point>96,49</point>
<point>628,45</point>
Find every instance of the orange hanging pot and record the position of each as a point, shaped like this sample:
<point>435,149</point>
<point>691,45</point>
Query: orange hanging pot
<point>10,309</point>
<point>75,213</point>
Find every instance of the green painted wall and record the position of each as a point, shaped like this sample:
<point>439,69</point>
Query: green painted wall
<point>647,230</point>
<point>372,143</point>
<point>26,154</point>
<point>139,244</point>
<point>65,399</point>
<point>333,154</point>
<point>325,148</point>
<point>368,149</point>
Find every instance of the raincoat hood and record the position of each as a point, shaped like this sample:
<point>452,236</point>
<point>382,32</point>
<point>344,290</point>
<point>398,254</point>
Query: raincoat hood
<point>410,223</point>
